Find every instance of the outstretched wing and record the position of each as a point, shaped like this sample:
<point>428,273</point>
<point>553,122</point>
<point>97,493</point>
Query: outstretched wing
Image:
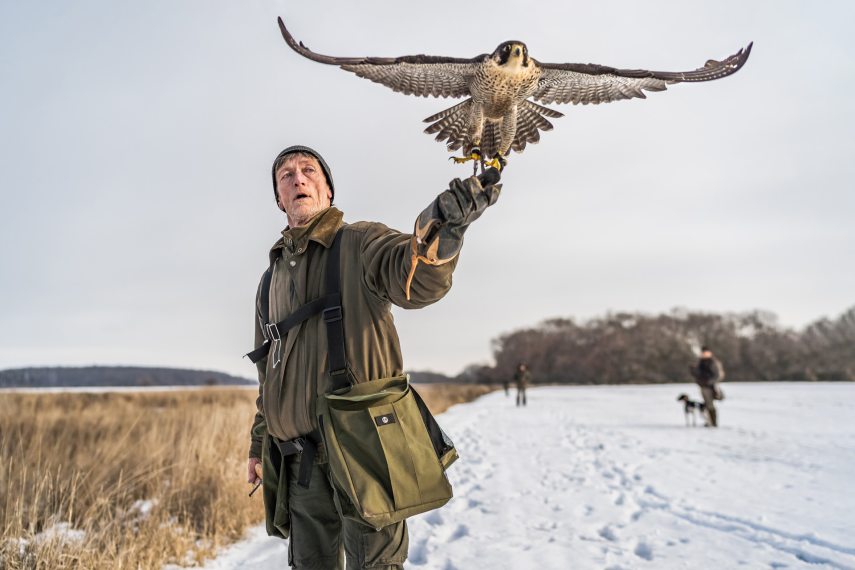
<point>420,75</point>
<point>590,83</point>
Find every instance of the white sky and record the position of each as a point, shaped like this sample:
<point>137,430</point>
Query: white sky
<point>137,138</point>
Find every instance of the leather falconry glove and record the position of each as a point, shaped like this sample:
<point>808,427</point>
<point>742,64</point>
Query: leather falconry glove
<point>438,233</point>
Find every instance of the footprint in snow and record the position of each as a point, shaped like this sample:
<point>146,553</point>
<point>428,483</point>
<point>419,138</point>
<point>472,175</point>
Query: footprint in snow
<point>459,532</point>
<point>434,518</point>
<point>643,550</point>
<point>418,553</point>
<point>608,533</point>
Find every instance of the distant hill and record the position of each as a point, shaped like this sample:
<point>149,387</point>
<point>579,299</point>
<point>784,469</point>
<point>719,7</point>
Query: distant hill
<point>122,376</point>
<point>426,377</point>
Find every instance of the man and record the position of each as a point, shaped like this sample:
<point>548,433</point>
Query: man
<point>522,377</point>
<point>708,372</point>
<point>378,267</point>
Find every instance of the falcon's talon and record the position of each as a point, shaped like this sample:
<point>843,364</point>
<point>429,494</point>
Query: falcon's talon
<point>498,162</point>
<point>475,154</point>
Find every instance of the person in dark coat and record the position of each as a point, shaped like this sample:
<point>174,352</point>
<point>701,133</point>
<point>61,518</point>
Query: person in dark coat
<point>708,372</point>
<point>522,377</point>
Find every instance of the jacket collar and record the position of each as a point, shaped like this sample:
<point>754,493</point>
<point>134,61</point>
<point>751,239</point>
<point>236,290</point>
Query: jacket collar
<point>321,228</point>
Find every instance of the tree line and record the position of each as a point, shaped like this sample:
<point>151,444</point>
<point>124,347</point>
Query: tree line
<point>634,348</point>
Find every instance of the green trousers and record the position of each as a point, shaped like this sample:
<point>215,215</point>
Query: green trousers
<point>320,537</point>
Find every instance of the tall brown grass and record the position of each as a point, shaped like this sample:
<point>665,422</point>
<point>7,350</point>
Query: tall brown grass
<point>86,459</point>
<point>137,480</point>
<point>440,397</point>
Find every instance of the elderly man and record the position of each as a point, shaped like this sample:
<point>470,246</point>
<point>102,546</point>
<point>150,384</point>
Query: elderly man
<point>378,267</point>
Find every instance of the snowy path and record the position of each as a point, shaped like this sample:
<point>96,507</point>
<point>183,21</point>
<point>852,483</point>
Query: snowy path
<point>609,477</point>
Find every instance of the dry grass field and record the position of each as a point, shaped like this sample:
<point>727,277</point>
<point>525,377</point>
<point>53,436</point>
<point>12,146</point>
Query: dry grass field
<point>131,479</point>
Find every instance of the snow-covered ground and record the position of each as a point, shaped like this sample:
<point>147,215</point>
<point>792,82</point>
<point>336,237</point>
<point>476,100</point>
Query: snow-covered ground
<point>610,477</point>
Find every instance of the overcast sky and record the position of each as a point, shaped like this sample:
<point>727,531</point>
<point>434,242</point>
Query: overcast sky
<point>137,138</point>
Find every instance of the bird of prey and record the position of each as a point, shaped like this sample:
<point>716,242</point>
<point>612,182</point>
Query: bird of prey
<point>500,113</point>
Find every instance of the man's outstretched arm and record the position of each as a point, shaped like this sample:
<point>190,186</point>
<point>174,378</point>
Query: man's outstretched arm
<point>415,270</point>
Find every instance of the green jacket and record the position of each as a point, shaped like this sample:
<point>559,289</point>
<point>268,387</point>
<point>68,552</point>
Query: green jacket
<point>375,262</point>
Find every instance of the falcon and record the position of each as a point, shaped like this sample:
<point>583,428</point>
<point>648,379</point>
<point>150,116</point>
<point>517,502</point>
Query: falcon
<point>503,90</point>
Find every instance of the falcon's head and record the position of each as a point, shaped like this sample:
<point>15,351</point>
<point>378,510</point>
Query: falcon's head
<point>511,53</point>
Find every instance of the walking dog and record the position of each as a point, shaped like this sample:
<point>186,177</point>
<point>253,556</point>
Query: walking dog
<point>689,407</point>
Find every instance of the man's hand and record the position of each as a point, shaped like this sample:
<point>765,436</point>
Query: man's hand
<point>438,233</point>
<point>253,470</point>
<point>465,201</point>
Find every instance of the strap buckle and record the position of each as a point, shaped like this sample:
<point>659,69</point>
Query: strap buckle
<point>272,335</point>
<point>291,446</point>
<point>332,314</point>
<point>272,332</point>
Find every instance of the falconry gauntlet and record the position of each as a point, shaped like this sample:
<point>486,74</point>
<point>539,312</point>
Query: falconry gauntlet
<point>438,232</point>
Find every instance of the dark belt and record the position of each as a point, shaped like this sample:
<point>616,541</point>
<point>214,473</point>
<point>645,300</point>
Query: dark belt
<point>307,446</point>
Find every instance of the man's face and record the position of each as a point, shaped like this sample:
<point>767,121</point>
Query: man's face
<point>302,189</point>
<point>706,354</point>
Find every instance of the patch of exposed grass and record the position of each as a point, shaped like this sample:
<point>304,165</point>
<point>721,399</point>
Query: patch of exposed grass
<point>132,479</point>
<point>440,397</point>
<point>144,478</point>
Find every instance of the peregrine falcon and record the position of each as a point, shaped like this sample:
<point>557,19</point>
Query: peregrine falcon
<point>499,115</point>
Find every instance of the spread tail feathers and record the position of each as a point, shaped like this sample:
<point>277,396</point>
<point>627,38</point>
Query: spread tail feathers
<point>531,119</point>
<point>451,127</point>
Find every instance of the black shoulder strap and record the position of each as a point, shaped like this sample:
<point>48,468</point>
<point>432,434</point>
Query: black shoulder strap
<point>263,315</point>
<point>328,304</point>
<point>336,353</point>
<point>264,300</point>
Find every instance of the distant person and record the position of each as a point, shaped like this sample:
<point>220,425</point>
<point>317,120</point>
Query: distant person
<point>708,372</point>
<point>522,377</point>
<point>506,384</point>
